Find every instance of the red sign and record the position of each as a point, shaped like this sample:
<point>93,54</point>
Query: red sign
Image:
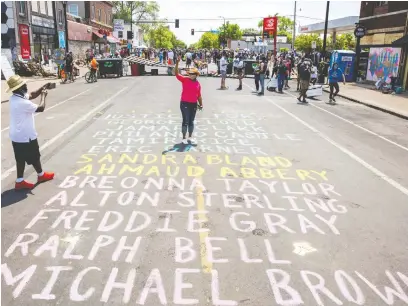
<point>24,41</point>
<point>270,24</point>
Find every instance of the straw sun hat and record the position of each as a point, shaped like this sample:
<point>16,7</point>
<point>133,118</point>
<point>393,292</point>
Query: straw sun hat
<point>193,71</point>
<point>14,83</point>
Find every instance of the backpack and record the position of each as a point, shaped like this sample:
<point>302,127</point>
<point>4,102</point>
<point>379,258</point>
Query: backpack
<point>304,72</point>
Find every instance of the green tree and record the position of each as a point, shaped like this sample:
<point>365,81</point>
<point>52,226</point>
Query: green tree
<point>303,42</point>
<point>193,46</point>
<point>135,11</point>
<point>161,37</point>
<point>208,40</point>
<point>229,31</point>
<point>285,26</point>
<point>251,31</point>
<point>343,42</point>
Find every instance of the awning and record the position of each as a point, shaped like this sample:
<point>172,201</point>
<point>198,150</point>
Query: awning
<point>97,33</point>
<point>112,39</point>
<point>401,41</point>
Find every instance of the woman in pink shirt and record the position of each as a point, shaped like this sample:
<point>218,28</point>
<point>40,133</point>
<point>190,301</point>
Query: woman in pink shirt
<point>190,95</point>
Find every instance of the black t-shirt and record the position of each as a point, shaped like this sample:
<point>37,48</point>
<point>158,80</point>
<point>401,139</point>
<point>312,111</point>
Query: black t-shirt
<point>304,72</point>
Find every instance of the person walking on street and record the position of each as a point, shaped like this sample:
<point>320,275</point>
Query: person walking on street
<point>23,134</point>
<point>223,70</point>
<point>240,71</point>
<point>335,75</point>
<point>191,94</point>
<point>281,75</point>
<point>257,71</point>
<point>304,76</point>
<point>262,73</point>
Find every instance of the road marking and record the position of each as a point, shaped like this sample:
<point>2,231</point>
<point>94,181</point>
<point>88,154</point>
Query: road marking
<point>51,107</point>
<point>344,150</point>
<point>66,130</point>
<point>356,125</point>
<point>206,266</point>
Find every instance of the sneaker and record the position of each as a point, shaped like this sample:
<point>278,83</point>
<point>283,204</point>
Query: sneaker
<point>260,93</point>
<point>239,88</point>
<point>192,140</point>
<point>47,176</point>
<point>184,141</point>
<point>334,100</point>
<point>23,185</point>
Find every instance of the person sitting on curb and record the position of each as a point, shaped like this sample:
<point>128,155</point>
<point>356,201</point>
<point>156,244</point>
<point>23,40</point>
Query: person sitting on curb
<point>22,130</point>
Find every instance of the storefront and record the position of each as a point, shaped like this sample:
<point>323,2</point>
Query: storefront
<point>79,38</point>
<point>103,42</point>
<point>43,38</point>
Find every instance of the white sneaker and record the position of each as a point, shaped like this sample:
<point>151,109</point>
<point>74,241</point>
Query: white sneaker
<point>192,140</point>
<point>184,141</point>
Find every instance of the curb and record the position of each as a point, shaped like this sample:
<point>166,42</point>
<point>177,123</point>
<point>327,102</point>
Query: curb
<point>385,110</point>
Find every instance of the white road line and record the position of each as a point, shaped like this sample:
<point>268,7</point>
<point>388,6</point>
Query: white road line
<point>62,102</point>
<point>65,131</point>
<point>356,125</point>
<point>344,150</point>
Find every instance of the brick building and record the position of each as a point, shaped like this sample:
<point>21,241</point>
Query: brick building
<point>387,27</point>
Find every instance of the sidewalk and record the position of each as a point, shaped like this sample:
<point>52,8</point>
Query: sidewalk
<point>34,83</point>
<point>393,104</point>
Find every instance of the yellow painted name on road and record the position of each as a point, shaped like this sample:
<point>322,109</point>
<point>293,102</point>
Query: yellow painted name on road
<point>205,264</point>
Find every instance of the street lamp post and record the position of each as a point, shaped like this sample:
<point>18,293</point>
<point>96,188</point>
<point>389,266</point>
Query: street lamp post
<point>223,32</point>
<point>64,4</point>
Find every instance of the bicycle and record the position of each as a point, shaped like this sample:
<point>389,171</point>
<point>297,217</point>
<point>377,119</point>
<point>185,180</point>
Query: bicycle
<point>90,77</point>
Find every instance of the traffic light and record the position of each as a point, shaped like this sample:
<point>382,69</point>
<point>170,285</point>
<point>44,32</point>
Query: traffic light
<point>192,31</point>
<point>129,35</point>
<point>177,23</point>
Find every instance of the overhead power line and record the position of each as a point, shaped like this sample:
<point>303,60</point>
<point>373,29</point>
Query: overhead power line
<point>246,18</point>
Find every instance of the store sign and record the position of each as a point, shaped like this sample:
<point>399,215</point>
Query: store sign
<point>118,25</point>
<point>347,59</point>
<point>270,24</point>
<point>24,41</point>
<point>42,22</point>
<point>360,31</point>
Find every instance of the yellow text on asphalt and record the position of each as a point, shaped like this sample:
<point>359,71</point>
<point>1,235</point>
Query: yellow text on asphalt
<point>206,266</point>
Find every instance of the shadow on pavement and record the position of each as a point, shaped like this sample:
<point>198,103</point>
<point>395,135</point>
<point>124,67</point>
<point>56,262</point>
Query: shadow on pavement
<point>180,147</point>
<point>12,196</point>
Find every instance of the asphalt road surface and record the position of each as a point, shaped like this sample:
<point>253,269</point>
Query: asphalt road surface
<point>279,203</point>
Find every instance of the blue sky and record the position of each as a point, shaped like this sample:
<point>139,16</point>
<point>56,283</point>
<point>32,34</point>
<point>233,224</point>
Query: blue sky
<point>194,9</point>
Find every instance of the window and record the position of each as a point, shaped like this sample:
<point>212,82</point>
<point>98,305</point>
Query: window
<point>104,19</point>
<point>59,16</point>
<point>43,7</point>
<point>109,21</point>
<point>34,6</point>
<point>50,12</point>
<point>73,9</point>
<point>99,14</point>
<point>382,3</point>
<point>93,12</point>
<point>21,7</point>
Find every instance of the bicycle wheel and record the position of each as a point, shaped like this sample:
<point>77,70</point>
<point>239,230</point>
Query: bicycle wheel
<point>88,77</point>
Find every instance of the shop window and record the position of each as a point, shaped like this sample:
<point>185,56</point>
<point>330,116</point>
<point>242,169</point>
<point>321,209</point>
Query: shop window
<point>93,12</point>
<point>22,8</point>
<point>73,9</point>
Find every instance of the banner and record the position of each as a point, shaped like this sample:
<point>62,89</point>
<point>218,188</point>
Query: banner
<point>270,24</point>
<point>118,25</point>
<point>24,41</point>
<point>61,39</point>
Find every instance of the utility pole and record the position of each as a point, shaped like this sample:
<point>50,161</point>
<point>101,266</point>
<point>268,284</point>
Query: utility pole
<point>294,29</point>
<point>325,29</point>
<point>64,5</point>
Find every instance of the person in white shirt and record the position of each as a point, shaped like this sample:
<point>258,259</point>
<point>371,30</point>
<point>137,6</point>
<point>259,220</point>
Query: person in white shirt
<point>189,57</point>
<point>22,130</point>
<point>223,70</point>
<point>171,57</point>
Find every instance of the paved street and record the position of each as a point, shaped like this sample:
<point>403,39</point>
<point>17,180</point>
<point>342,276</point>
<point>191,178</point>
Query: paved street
<point>280,203</point>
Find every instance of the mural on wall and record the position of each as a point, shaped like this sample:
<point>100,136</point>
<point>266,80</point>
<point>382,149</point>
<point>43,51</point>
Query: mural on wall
<point>383,63</point>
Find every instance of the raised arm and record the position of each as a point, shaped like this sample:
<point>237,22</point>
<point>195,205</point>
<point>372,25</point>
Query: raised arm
<point>41,106</point>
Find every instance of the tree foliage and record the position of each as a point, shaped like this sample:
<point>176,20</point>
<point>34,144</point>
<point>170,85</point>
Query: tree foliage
<point>208,41</point>
<point>229,31</point>
<point>251,31</point>
<point>343,42</point>
<point>303,42</point>
<point>135,11</point>
<point>160,36</point>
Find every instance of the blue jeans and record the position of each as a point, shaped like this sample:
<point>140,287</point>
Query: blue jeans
<point>281,80</point>
<point>262,79</point>
<point>188,112</point>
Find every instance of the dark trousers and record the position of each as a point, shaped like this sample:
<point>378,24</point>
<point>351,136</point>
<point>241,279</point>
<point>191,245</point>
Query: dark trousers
<point>281,81</point>
<point>257,80</point>
<point>332,87</point>
<point>188,111</point>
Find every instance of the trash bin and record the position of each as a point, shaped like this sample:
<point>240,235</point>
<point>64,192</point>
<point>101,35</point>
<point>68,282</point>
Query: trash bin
<point>248,67</point>
<point>110,66</point>
<point>134,69</point>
